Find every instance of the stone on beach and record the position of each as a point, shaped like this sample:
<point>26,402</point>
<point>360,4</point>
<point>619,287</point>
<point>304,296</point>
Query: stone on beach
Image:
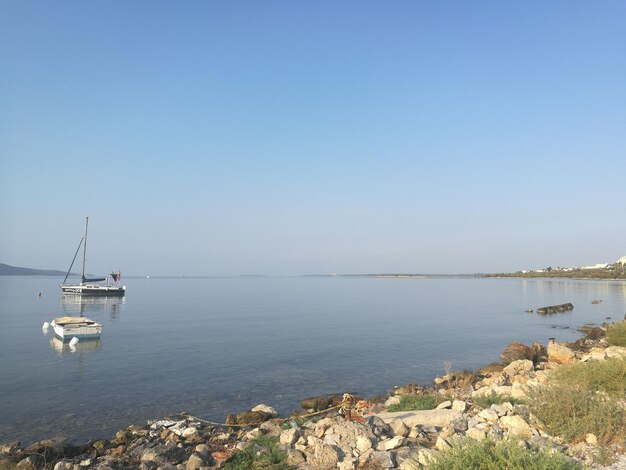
<point>439,418</point>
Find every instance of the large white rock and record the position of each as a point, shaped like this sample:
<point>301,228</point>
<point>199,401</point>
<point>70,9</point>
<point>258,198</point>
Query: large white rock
<point>399,428</point>
<point>517,426</point>
<point>322,457</point>
<point>488,415</point>
<point>392,443</point>
<point>289,437</point>
<point>266,409</point>
<point>476,434</point>
<point>363,444</point>
<point>615,352</point>
<point>520,367</point>
<point>459,405</point>
<point>439,418</point>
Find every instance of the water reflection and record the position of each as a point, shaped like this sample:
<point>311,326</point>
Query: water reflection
<point>83,346</point>
<point>83,305</point>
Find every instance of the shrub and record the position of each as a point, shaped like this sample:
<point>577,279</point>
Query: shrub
<point>505,454</point>
<point>605,376</point>
<point>415,402</point>
<point>270,458</point>
<point>494,399</point>
<point>616,334</point>
<point>571,411</point>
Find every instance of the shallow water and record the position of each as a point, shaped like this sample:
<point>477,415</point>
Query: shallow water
<point>212,346</point>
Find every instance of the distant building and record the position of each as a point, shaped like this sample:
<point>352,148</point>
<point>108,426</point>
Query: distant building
<point>597,266</point>
<point>621,261</point>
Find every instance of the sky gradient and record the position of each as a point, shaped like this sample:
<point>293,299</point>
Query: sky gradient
<point>285,138</point>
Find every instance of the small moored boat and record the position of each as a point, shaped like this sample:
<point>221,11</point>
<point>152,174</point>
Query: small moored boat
<point>79,327</point>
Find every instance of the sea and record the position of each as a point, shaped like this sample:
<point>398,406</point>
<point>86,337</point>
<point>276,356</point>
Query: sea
<point>213,346</point>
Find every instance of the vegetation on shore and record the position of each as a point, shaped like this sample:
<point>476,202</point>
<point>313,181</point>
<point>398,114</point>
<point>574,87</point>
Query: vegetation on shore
<point>504,454</point>
<point>616,334</point>
<point>584,398</point>
<point>486,401</point>
<point>261,453</point>
<point>415,402</point>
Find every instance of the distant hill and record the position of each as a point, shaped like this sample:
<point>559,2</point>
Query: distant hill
<point>7,270</point>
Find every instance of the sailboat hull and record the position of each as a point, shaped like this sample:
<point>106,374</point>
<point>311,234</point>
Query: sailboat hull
<point>93,289</point>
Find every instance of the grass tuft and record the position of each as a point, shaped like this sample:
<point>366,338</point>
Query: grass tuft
<point>583,398</point>
<point>503,455</point>
<point>415,402</point>
<point>616,334</point>
<point>495,399</point>
<point>270,457</point>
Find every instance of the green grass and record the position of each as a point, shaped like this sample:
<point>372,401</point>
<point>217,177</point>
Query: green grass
<point>494,399</point>
<point>487,455</point>
<point>415,402</point>
<point>584,398</point>
<point>271,458</point>
<point>616,334</point>
<point>605,376</point>
<point>300,421</point>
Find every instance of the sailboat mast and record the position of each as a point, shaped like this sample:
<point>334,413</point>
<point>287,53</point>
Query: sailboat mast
<point>85,247</point>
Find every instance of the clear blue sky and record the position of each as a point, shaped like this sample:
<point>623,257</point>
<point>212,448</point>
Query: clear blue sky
<point>210,138</point>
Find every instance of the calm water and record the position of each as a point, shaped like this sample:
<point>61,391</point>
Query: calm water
<point>214,346</point>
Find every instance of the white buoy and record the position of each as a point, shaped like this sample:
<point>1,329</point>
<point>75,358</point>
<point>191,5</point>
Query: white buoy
<point>74,341</point>
<point>45,326</point>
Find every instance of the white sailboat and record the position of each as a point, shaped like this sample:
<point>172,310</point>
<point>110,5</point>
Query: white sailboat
<point>91,286</point>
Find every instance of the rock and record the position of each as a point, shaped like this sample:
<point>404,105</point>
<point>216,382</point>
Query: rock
<point>392,443</point>
<point>616,352</point>
<point>163,454</point>
<point>29,463</point>
<point>347,465</point>
<point>295,457</point>
<point>444,405</point>
<point>196,461</point>
<point>439,418</point>
<point>559,353</point>
<point>392,401</point>
<point>428,456</point>
<point>442,444</point>
<point>399,428</point>
<point>488,415</point>
<point>518,391</point>
<point>322,456</point>
<point>516,352</point>
<point>378,426</point>
<point>517,426</point>
<point>519,367</point>
<point>248,418</point>
<point>591,439</point>
<point>319,403</point>
<point>266,409</point>
<point>459,405</point>
<point>459,425</point>
<point>476,434</point>
<point>409,464</point>
<point>499,409</point>
<point>289,437</point>
<point>379,460</point>
<point>363,444</point>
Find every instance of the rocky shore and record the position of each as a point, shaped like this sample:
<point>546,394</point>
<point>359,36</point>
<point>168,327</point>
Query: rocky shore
<point>315,439</point>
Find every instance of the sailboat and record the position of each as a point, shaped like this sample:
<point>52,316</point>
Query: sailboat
<point>91,286</point>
